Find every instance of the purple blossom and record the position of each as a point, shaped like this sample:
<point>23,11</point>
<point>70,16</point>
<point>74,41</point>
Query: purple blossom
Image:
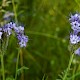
<point>7,28</point>
<point>0,28</point>
<point>19,29</point>
<point>75,26</point>
<point>74,39</point>
<point>11,25</point>
<point>75,22</point>
<point>77,51</point>
<point>20,35</point>
<point>22,40</point>
<point>0,34</point>
<point>75,17</point>
<point>8,15</point>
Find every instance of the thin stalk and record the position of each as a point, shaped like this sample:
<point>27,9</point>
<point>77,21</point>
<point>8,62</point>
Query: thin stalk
<point>15,13</point>
<point>74,70</point>
<point>14,9</point>
<point>17,65</point>
<point>2,64</point>
<point>68,68</point>
<point>19,54</point>
<point>4,2</point>
<point>21,62</point>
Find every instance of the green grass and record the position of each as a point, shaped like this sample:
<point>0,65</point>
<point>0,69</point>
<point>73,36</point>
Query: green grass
<point>47,26</point>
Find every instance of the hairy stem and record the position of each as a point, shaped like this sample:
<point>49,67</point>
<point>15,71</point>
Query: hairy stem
<point>17,65</point>
<point>74,69</point>
<point>2,64</point>
<point>14,9</point>
<point>21,57</point>
<point>21,62</point>
<point>68,68</point>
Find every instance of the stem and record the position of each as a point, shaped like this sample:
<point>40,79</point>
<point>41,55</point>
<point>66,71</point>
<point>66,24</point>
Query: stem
<point>74,69</point>
<point>2,64</point>
<point>68,68</point>
<point>17,65</point>
<point>15,13</point>
<point>21,62</point>
<point>4,2</point>
<point>14,9</point>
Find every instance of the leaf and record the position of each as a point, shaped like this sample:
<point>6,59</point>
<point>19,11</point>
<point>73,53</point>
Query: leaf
<point>9,78</point>
<point>21,69</point>
<point>75,75</point>
<point>45,78</point>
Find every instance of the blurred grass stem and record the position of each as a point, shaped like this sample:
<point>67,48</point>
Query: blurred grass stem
<point>2,64</point>
<point>74,70</point>
<point>14,9</point>
<point>17,65</point>
<point>19,52</point>
<point>21,61</point>
<point>15,13</point>
<point>68,68</point>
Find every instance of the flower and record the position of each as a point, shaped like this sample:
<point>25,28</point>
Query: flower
<point>75,26</point>
<point>22,40</point>
<point>19,29</point>
<point>8,15</point>
<point>75,22</point>
<point>20,36</point>
<point>7,28</point>
<point>74,39</point>
<point>77,51</point>
<point>11,25</point>
<point>75,17</point>
<point>0,34</point>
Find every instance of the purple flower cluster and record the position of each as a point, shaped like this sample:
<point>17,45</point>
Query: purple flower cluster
<point>19,31</point>
<point>77,51</point>
<point>74,38</point>
<point>22,40</point>
<point>75,22</point>
<point>8,15</point>
<point>75,25</point>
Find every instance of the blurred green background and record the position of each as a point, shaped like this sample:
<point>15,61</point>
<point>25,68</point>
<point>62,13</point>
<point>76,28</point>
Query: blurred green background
<point>47,26</point>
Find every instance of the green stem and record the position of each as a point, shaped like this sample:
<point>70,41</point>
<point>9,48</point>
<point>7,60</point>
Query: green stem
<point>14,9</point>
<point>17,65</point>
<point>74,69</point>
<point>15,13</point>
<point>21,62</point>
<point>68,68</point>
<point>2,64</point>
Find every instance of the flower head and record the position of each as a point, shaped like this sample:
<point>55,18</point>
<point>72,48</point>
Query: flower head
<point>75,17</point>
<point>0,34</point>
<point>75,22</point>
<point>74,39</point>
<point>22,40</point>
<point>7,28</point>
<point>19,29</point>
<point>8,15</point>
<point>75,26</point>
<point>77,51</point>
<point>20,36</point>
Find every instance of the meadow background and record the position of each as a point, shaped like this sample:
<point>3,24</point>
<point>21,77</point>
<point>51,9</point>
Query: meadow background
<point>47,26</point>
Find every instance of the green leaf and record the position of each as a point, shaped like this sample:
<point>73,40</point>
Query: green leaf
<point>22,68</point>
<point>45,78</point>
<point>9,78</point>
